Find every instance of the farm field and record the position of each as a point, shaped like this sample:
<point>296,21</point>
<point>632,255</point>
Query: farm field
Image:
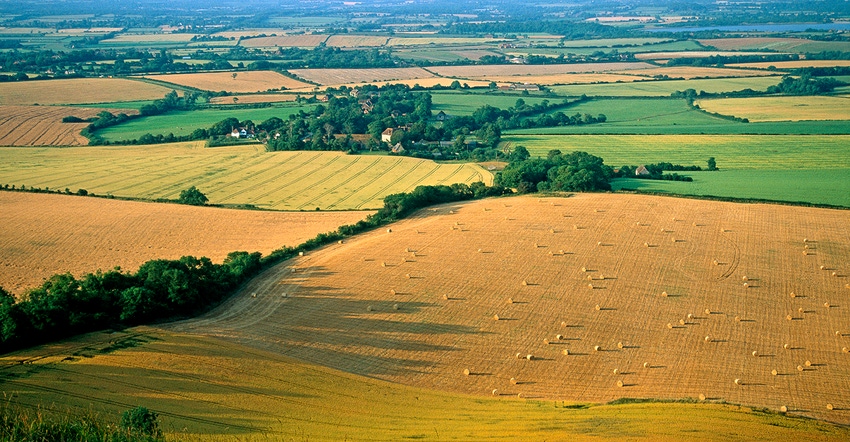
<point>345,76</point>
<point>79,91</point>
<point>781,108</point>
<point>792,64</point>
<point>45,234</point>
<point>299,41</point>
<point>235,175</point>
<point>254,98</point>
<point>824,186</point>
<point>666,55</point>
<point>471,71</point>
<point>466,104</point>
<point>351,41</point>
<point>799,45</point>
<point>588,50</point>
<point>689,72</point>
<point>216,390</point>
<point>431,40</point>
<point>43,126</point>
<point>663,88</point>
<point>250,81</point>
<point>184,122</point>
<point>127,38</point>
<point>627,282</point>
<point>558,79</point>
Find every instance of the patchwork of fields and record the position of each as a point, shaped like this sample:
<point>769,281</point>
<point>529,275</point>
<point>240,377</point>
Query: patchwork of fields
<point>611,296</point>
<point>232,175</point>
<point>44,235</point>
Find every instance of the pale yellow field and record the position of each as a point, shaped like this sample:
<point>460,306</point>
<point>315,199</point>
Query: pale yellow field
<point>250,81</point>
<point>470,71</point>
<point>346,76</point>
<point>45,234</point>
<point>43,126</point>
<point>303,41</point>
<point>781,108</point>
<point>350,41</point>
<point>424,82</point>
<point>254,98</point>
<point>690,54</point>
<point>419,41</point>
<point>156,38</point>
<point>79,90</point>
<point>566,78</point>
<point>775,43</point>
<point>303,180</point>
<point>793,64</point>
<point>249,32</point>
<point>688,72</point>
<point>680,297</point>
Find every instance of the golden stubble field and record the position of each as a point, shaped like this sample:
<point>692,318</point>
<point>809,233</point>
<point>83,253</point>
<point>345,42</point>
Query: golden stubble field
<point>79,90</point>
<point>345,76</point>
<point>45,234</point>
<point>611,296</point>
<point>43,126</point>
<point>781,108</point>
<point>250,81</point>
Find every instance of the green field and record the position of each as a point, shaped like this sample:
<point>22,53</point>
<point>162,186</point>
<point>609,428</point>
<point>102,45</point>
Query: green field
<point>184,122</point>
<point>827,186</point>
<point>587,47</point>
<point>429,55</point>
<point>663,88</point>
<point>213,389</point>
<point>458,103</point>
<point>810,168</point>
<point>231,175</point>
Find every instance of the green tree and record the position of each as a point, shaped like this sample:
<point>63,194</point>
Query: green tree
<point>142,421</point>
<point>193,197</point>
<point>712,164</point>
<point>518,154</point>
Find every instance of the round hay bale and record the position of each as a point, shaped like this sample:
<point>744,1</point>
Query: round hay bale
<point>561,251</point>
<point>575,226</point>
<point>716,262</point>
<point>566,352</point>
<point>563,323</point>
<point>800,310</point>
<point>707,311</point>
<point>513,381</point>
<point>597,348</point>
<point>519,395</point>
<point>451,212</point>
<point>529,357</point>
<point>284,295</point>
<point>786,346</point>
<point>368,308</point>
<point>589,277</point>
<point>826,304</point>
<point>672,239</point>
<point>551,230</point>
<point>783,409</point>
<point>793,295</point>
<point>808,363</point>
<point>789,317</point>
<point>584,269</point>
<point>598,243</point>
<point>755,353</point>
<point>253,295</point>
<point>524,282</point>
<point>616,371</point>
<point>300,253</point>
<point>395,306</point>
<point>845,349</point>
<point>590,286</point>
<point>681,322</point>
<point>340,242</point>
<point>745,278</point>
<point>830,407</point>
<point>646,365</point>
<point>664,294</point>
<point>495,317</point>
<point>383,264</point>
<point>646,244</point>
<point>805,240</point>
<point>466,372</point>
<point>774,372</point>
<point>837,333</point>
<point>519,355</point>
<point>847,286</point>
<point>822,267</point>
<point>669,325</point>
<point>835,274</point>
<point>701,397</point>
<point>737,382</point>
<point>495,392</point>
<point>446,297</point>
<point>546,341</point>
<point>407,275</point>
<point>510,301</point>
<point>392,291</point>
<point>806,246</point>
<point>707,338</point>
<point>695,224</point>
<point>805,252</point>
<point>598,307</point>
<point>690,316</point>
<point>389,230</point>
<point>620,384</point>
<point>800,368</point>
<point>620,345</point>
<point>559,337</point>
<point>746,285</point>
<point>737,319</point>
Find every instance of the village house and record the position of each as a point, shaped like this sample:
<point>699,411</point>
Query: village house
<point>387,135</point>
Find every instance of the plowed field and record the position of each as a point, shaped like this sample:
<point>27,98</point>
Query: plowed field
<point>43,126</point>
<point>47,234</point>
<point>611,296</point>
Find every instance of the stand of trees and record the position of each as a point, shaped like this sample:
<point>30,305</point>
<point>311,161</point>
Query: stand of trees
<point>576,172</point>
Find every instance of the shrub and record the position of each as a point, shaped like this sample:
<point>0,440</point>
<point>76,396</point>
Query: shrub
<point>193,197</point>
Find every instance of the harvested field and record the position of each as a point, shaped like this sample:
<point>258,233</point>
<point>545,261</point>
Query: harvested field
<point>254,98</point>
<point>148,38</point>
<point>784,65</point>
<point>424,82</point>
<point>565,79</point>
<point>79,91</point>
<point>43,126</point>
<point>799,45</point>
<point>518,70</point>
<point>217,390</point>
<point>47,234</point>
<point>346,76</point>
<point>431,40</point>
<point>691,54</point>
<point>688,73</point>
<point>781,108</point>
<point>303,180</point>
<point>355,41</point>
<point>665,273</point>
<point>250,81</point>
<point>285,41</point>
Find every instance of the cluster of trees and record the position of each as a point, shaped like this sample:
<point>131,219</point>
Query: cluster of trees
<point>569,29</point>
<point>576,172</point>
<point>805,85</point>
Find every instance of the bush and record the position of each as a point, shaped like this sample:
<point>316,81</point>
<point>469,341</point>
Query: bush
<point>193,197</point>
<point>142,421</point>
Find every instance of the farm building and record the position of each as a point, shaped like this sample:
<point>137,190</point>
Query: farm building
<point>642,171</point>
<point>387,135</point>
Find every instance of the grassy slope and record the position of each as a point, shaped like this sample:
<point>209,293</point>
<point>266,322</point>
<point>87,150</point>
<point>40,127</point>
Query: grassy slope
<point>466,104</point>
<point>220,390</point>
